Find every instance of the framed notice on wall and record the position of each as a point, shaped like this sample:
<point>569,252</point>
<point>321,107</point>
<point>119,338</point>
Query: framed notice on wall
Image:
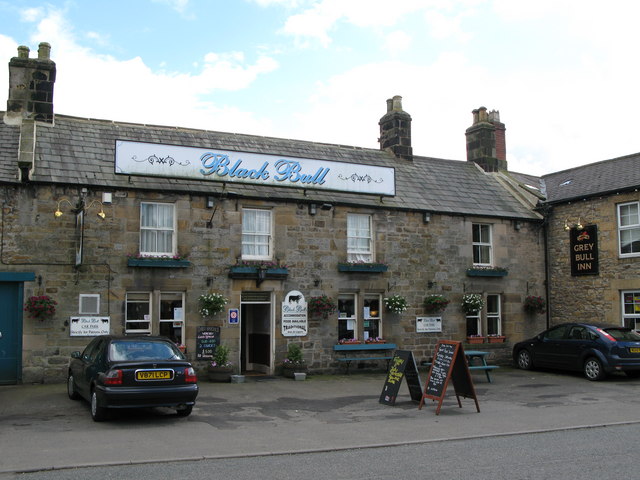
<point>428,324</point>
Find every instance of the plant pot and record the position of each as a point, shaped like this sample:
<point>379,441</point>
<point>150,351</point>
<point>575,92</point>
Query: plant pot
<point>475,340</point>
<point>220,374</point>
<point>498,339</point>
<point>289,371</point>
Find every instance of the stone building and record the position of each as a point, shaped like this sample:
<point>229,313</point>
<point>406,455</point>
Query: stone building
<point>125,226</point>
<point>593,216</point>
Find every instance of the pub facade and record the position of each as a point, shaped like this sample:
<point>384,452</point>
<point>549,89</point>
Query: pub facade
<point>125,227</point>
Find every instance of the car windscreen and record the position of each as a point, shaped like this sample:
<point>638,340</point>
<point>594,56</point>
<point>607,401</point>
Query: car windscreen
<point>128,350</point>
<point>623,334</point>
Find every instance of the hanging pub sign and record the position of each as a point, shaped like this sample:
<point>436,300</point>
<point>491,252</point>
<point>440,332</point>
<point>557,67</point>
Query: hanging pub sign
<point>584,251</point>
<point>295,322</point>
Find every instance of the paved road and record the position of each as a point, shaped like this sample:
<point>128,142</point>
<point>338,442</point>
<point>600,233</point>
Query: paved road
<point>40,428</point>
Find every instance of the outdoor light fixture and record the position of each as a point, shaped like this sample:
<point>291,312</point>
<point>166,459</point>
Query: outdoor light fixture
<point>80,207</point>
<point>211,201</point>
<point>313,209</point>
<point>326,206</point>
<point>517,225</point>
<point>568,226</point>
<point>426,217</point>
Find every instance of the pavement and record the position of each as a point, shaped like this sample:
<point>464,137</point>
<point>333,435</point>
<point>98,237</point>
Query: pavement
<point>42,429</point>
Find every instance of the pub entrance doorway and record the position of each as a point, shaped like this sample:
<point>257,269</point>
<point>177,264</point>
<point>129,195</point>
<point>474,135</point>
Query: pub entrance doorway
<point>256,332</point>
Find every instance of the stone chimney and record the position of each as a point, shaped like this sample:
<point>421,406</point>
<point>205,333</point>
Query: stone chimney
<point>486,142</point>
<point>31,86</point>
<point>395,130</point>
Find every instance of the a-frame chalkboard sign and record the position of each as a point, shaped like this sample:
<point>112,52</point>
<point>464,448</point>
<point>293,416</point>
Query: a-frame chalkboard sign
<point>449,363</point>
<point>402,365</point>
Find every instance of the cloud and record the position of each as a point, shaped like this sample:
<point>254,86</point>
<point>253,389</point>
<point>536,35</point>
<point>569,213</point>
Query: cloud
<point>396,42</point>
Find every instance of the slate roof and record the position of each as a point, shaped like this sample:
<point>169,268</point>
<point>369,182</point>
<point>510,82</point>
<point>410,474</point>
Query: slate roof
<point>81,152</point>
<point>601,178</point>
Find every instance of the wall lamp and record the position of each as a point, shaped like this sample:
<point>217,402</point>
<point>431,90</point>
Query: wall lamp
<point>568,226</point>
<point>326,206</point>
<point>426,217</point>
<point>79,207</point>
<point>517,225</point>
<point>313,209</point>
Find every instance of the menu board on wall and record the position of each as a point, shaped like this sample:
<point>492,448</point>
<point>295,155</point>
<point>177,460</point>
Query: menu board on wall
<point>207,339</point>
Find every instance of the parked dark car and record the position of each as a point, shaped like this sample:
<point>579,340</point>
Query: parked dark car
<point>131,372</point>
<point>594,349</point>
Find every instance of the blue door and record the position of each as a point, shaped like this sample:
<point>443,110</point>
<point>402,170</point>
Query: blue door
<point>11,301</point>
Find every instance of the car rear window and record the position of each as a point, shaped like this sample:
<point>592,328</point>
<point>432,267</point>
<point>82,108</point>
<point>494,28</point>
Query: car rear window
<point>623,334</point>
<point>141,350</point>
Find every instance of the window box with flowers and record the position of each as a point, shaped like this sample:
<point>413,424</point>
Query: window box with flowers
<point>164,261</point>
<point>533,304</point>
<point>321,306</point>
<point>40,307</point>
<point>496,338</point>
<point>472,302</point>
<point>211,303</point>
<point>251,270</point>
<point>349,341</point>
<point>220,368</point>
<point>362,267</point>
<point>475,339</point>
<point>479,271</point>
<point>435,303</point>
<point>375,340</point>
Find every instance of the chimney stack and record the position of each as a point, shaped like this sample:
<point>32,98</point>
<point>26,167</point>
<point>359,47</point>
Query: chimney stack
<point>486,141</point>
<point>395,130</point>
<point>31,86</point>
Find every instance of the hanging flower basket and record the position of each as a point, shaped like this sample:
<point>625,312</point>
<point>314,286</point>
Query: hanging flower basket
<point>321,306</point>
<point>472,302</point>
<point>533,304</point>
<point>396,303</point>
<point>41,307</point>
<point>211,303</point>
<point>435,303</point>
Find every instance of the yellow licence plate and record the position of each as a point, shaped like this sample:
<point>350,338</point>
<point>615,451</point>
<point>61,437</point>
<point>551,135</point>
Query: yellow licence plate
<point>634,349</point>
<point>154,375</point>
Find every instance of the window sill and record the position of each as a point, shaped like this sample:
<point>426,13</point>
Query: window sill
<point>157,263</point>
<point>362,268</point>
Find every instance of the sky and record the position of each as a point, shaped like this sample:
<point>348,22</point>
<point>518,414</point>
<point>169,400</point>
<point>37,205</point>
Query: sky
<point>562,73</point>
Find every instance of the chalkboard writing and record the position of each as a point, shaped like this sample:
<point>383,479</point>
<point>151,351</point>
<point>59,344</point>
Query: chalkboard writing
<point>207,339</point>
<point>402,365</point>
<point>449,363</point>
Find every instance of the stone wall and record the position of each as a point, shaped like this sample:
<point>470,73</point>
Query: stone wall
<point>590,298</point>
<point>422,258</point>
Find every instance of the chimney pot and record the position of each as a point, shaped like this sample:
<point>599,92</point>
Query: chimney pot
<point>44,51</point>
<point>23,51</point>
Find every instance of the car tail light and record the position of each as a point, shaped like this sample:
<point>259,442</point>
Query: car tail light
<point>190,375</point>
<point>113,377</point>
<point>606,335</point>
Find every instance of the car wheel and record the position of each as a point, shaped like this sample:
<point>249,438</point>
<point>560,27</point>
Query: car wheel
<point>524,360</point>
<point>98,413</point>
<point>184,412</point>
<point>71,388</point>
<point>593,369</point>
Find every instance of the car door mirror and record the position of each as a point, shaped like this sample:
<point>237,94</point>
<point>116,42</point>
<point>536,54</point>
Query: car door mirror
<point>76,355</point>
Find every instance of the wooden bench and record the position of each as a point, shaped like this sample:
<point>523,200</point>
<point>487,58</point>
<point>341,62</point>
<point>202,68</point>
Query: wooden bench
<point>485,368</point>
<point>349,349</point>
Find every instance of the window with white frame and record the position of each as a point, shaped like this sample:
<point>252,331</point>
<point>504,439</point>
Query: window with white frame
<point>256,234</point>
<point>157,229</point>
<point>359,238</point>
<point>631,309</point>
<point>494,318</point>
<point>481,238</point>
<point>347,320</point>
<point>372,316</point>
<point>138,313</point>
<point>172,316</point>
<point>473,324</point>
<point>629,229</point>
